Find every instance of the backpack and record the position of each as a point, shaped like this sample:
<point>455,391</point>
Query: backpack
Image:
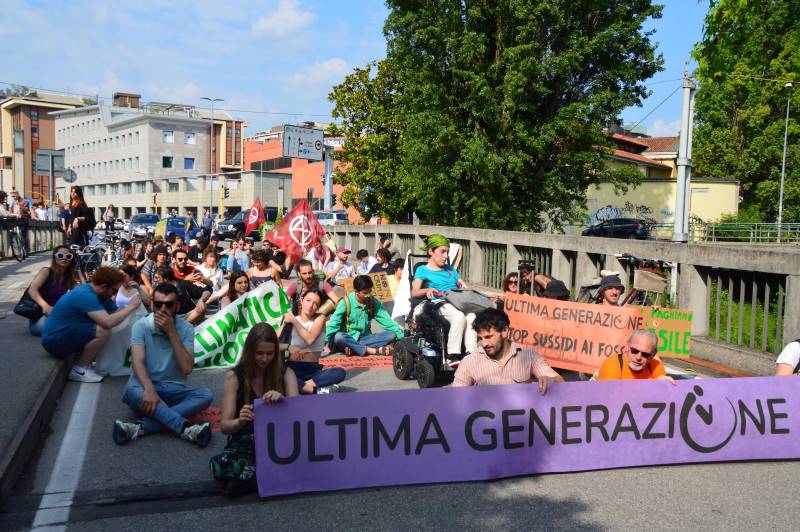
<point>370,311</point>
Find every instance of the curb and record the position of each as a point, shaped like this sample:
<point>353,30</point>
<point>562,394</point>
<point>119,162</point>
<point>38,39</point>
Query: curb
<point>31,432</point>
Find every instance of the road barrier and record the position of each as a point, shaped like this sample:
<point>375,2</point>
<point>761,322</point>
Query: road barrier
<point>745,298</point>
<point>42,236</point>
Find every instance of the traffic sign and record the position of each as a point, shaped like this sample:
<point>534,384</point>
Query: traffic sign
<point>303,143</point>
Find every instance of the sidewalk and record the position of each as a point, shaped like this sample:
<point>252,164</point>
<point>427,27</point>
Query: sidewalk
<point>30,381</point>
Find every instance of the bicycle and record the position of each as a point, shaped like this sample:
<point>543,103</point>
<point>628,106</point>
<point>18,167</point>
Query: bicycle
<point>649,280</point>
<point>87,260</point>
<point>19,248</point>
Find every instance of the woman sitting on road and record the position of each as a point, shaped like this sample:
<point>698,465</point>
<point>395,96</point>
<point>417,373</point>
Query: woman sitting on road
<point>130,287</point>
<point>308,341</point>
<point>442,277</point>
<point>238,285</point>
<point>211,272</point>
<point>261,271</point>
<point>158,258</point>
<point>144,253</point>
<point>259,374</point>
<point>51,283</point>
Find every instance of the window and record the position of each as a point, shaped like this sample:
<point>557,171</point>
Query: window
<point>168,137</point>
<point>188,138</point>
<point>127,188</point>
<point>166,162</point>
<point>141,186</point>
<point>136,163</point>
<point>34,114</point>
<point>173,187</point>
<point>113,189</point>
<point>136,137</point>
<point>101,189</point>
<point>188,163</point>
<point>34,132</point>
<point>88,191</point>
<point>230,132</point>
<point>122,142</point>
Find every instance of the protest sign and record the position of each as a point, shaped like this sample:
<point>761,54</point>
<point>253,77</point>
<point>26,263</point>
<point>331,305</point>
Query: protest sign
<point>382,290</point>
<point>365,439</point>
<point>672,326</point>
<point>576,336</point>
<point>219,339</point>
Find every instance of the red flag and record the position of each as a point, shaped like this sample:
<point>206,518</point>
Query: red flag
<point>298,233</point>
<point>255,217</point>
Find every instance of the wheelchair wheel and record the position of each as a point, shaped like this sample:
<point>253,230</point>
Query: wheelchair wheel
<point>402,362</point>
<point>426,374</point>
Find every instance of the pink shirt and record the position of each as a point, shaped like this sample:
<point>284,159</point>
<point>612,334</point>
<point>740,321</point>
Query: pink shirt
<point>523,366</point>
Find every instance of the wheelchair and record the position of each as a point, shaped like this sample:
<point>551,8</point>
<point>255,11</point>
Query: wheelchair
<point>423,350</point>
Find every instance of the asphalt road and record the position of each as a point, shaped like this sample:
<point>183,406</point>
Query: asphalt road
<point>162,481</point>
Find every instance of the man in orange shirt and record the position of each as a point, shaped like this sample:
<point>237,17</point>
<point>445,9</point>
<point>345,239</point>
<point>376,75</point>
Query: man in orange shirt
<point>638,361</point>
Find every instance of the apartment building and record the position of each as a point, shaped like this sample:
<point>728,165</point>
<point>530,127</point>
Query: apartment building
<point>131,155</point>
<point>26,126</point>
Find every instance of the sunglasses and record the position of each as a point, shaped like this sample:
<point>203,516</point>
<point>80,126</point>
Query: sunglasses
<point>180,259</point>
<point>63,256</point>
<point>635,351</point>
<point>513,282</point>
<point>167,304</point>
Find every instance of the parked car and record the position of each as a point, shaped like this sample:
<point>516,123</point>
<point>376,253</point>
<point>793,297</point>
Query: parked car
<point>126,226</point>
<point>619,228</point>
<point>332,217</point>
<point>119,224</point>
<point>178,226</point>
<point>234,226</point>
<point>143,224</point>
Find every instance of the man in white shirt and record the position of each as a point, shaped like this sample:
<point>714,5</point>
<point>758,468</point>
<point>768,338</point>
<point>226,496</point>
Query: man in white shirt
<point>340,269</point>
<point>365,262</point>
<point>789,360</point>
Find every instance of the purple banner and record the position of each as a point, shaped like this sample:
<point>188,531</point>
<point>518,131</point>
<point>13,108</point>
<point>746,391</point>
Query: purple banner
<point>354,440</point>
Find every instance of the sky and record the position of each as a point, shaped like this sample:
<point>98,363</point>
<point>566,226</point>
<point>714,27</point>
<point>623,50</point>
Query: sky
<point>272,61</point>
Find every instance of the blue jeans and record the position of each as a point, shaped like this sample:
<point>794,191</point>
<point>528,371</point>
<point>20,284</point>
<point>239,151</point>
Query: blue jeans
<point>181,402</point>
<point>341,340</point>
<point>307,371</point>
<point>36,327</point>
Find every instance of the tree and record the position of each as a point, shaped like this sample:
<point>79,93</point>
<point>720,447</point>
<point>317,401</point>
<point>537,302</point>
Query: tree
<point>748,52</point>
<point>501,105</point>
<point>17,90</point>
<point>371,166</point>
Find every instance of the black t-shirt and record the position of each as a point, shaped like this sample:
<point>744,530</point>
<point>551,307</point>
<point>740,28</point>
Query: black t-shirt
<point>188,293</point>
<point>196,254</point>
<point>378,268</point>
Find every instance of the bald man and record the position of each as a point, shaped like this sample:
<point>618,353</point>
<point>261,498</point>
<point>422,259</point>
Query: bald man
<point>638,361</point>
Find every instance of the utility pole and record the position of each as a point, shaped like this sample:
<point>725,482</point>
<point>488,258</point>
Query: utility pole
<point>783,164</point>
<point>211,156</point>
<point>328,188</point>
<point>680,232</point>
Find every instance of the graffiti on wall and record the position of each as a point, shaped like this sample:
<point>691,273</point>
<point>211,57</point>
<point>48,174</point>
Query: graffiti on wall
<point>629,210</point>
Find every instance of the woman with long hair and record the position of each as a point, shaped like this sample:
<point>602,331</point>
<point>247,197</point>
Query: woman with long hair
<point>511,283</point>
<point>51,283</point>
<point>263,269</point>
<point>259,374</point>
<point>108,218</point>
<point>238,285</point>
<point>81,216</point>
<point>158,258</point>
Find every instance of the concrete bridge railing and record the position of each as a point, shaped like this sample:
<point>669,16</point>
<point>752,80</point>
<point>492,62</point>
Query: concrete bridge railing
<point>42,236</point>
<point>745,298</point>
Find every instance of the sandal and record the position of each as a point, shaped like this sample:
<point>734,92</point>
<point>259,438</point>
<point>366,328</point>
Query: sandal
<point>384,351</point>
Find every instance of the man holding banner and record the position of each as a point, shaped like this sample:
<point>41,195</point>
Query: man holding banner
<point>498,360</point>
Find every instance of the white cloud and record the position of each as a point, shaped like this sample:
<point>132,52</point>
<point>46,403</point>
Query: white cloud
<point>659,128</point>
<point>320,72</point>
<point>287,20</point>
<point>185,93</point>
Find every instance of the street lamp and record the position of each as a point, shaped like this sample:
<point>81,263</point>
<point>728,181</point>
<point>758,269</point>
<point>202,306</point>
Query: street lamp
<point>211,155</point>
<point>783,164</point>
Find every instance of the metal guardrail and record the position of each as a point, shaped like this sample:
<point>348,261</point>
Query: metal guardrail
<point>744,295</point>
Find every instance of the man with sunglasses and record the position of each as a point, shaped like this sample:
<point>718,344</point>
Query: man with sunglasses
<point>182,268</point>
<point>162,352</point>
<point>637,362</point>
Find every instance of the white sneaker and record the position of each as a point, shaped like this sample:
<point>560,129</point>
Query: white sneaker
<point>199,434</point>
<point>125,432</point>
<point>81,374</point>
<point>324,390</point>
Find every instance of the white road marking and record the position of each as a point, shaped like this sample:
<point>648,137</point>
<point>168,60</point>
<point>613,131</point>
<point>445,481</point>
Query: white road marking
<point>53,511</point>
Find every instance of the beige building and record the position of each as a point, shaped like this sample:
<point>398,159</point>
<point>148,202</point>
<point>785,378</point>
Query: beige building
<point>145,157</point>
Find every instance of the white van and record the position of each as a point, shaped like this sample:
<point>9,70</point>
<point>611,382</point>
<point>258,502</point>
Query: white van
<point>332,217</point>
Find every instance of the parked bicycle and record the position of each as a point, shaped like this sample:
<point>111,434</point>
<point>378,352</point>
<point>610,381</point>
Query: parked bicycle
<point>16,238</point>
<point>649,280</point>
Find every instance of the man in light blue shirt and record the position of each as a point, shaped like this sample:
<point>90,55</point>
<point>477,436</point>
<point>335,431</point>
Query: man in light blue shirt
<point>162,352</point>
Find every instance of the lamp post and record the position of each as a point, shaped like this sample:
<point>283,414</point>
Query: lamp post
<point>783,164</point>
<point>211,155</point>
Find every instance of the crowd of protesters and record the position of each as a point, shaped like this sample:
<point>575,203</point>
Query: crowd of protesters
<point>166,288</point>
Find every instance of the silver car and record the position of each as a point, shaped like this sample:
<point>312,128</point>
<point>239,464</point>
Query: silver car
<point>143,224</point>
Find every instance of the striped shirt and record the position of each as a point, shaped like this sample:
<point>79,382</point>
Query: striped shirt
<point>524,365</point>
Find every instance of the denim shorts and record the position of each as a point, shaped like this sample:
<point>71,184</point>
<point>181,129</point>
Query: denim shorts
<point>73,342</point>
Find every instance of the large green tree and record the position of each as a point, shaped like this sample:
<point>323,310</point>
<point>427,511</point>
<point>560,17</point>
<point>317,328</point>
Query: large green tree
<point>748,52</point>
<point>371,169</point>
<point>504,103</point>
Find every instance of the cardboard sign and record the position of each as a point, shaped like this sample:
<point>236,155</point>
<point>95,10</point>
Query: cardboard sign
<point>365,439</point>
<point>382,290</point>
<point>575,336</point>
<point>672,326</point>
